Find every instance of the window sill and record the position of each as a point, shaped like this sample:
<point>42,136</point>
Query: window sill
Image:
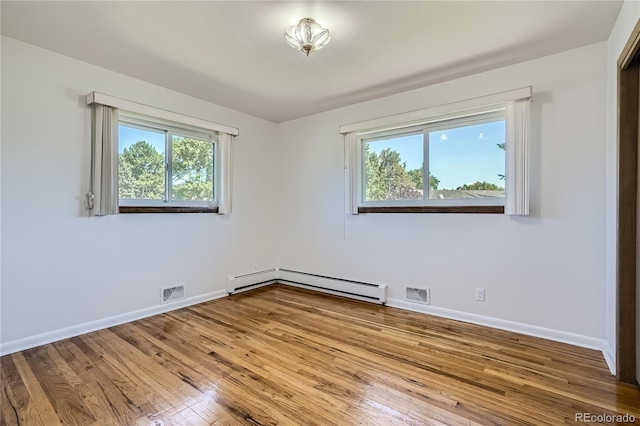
<point>434,209</point>
<point>166,209</point>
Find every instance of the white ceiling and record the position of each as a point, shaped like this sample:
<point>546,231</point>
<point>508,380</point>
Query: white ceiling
<point>234,54</point>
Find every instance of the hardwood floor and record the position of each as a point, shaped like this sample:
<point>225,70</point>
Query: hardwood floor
<point>281,355</point>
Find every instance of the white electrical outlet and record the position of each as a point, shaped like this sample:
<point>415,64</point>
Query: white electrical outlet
<point>480,294</point>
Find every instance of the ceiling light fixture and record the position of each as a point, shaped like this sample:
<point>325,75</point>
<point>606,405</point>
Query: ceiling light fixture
<point>307,36</point>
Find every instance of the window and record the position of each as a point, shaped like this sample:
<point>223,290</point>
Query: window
<point>151,160</point>
<point>164,166</point>
<point>463,161</point>
<point>467,157</point>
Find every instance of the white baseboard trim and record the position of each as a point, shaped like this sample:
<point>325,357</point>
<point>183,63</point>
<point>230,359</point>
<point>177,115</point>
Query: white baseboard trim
<point>531,330</point>
<point>609,357</point>
<point>87,327</point>
<point>518,327</point>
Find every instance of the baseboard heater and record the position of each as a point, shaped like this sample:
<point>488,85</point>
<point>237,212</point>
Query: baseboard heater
<point>239,283</point>
<point>376,293</point>
<point>368,292</point>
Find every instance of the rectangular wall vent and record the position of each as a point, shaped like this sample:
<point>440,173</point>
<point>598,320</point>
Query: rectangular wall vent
<point>420,295</point>
<point>171,293</point>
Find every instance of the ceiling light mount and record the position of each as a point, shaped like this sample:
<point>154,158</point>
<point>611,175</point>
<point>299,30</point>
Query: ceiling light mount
<point>308,36</point>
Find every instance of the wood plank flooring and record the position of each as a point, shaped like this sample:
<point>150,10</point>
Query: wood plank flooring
<point>282,355</point>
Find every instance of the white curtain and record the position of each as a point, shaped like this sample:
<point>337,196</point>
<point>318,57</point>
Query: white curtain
<point>517,157</point>
<point>351,168</point>
<point>226,172</point>
<point>103,195</point>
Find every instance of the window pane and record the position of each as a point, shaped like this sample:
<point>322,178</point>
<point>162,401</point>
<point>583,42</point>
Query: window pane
<point>468,161</point>
<point>141,163</point>
<point>393,168</point>
<point>192,163</point>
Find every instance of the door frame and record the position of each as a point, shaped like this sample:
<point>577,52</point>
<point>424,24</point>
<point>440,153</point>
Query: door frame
<point>627,233</point>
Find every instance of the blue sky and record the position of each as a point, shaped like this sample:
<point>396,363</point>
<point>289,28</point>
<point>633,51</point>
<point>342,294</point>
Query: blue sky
<point>457,156</point>
<point>127,136</point>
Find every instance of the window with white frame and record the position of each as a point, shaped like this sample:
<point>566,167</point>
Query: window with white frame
<point>462,160</point>
<point>468,157</point>
<point>150,160</point>
<point>162,164</point>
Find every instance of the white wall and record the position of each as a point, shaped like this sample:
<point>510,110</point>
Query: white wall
<point>61,268</point>
<point>627,19</point>
<point>545,270</point>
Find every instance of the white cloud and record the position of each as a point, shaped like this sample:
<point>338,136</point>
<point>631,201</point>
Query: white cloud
<point>443,136</point>
<point>482,136</point>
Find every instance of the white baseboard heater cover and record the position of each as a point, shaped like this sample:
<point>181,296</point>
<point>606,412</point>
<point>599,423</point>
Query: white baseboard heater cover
<point>376,293</point>
<point>239,283</point>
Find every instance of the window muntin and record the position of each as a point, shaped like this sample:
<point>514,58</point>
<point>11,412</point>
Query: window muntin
<point>164,165</point>
<point>463,160</point>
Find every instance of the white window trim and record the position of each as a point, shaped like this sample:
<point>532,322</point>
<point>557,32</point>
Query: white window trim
<point>437,113</point>
<point>169,130</point>
<point>158,113</point>
<point>515,103</point>
<point>425,129</point>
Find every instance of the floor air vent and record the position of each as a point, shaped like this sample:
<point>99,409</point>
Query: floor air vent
<point>169,294</point>
<point>420,295</point>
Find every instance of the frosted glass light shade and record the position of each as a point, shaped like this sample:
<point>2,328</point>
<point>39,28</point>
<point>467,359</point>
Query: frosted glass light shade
<point>307,36</point>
